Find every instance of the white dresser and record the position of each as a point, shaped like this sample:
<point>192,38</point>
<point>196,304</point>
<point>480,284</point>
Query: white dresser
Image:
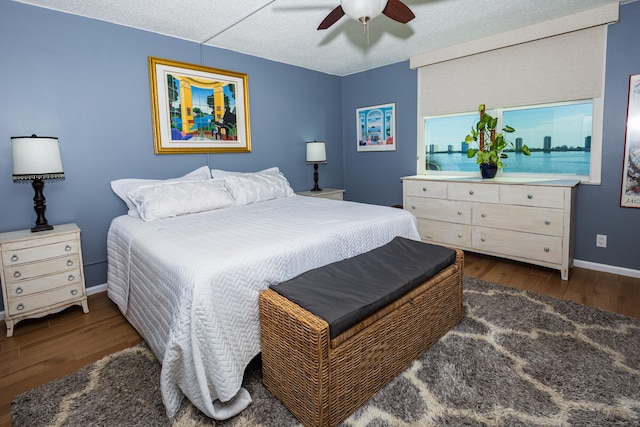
<point>530,221</point>
<point>41,273</point>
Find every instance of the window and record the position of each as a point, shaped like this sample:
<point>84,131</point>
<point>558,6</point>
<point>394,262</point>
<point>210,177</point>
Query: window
<point>558,135</point>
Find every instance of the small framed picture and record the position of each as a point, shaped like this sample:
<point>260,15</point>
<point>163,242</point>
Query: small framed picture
<point>376,127</point>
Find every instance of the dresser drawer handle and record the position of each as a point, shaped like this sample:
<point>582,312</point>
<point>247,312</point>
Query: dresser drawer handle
<point>484,215</point>
<point>74,291</point>
<point>459,234</point>
<point>547,222</point>
<point>459,213</point>
<point>20,306</point>
<point>529,196</point>
<point>424,188</point>
<point>546,249</point>
<point>17,274</point>
<point>19,290</point>
<point>14,258</point>
<point>71,278</point>
<point>67,248</point>
<point>482,239</point>
<point>413,207</point>
<point>69,263</point>
<point>471,192</point>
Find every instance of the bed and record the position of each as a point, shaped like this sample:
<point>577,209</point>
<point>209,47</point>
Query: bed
<point>189,283</point>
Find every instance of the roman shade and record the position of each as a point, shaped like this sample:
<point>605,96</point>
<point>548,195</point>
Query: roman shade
<point>555,61</point>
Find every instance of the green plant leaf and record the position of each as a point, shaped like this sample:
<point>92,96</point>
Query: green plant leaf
<point>525,150</point>
<point>508,129</point>
<point>471,152</point>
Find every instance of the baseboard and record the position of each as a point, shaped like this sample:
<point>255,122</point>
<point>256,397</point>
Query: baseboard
<point>622,271</point>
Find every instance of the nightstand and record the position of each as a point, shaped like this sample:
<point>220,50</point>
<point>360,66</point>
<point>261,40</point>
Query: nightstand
<point>325,193</point>
<point>41,273</point>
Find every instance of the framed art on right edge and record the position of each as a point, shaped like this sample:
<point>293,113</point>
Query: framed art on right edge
<point>631,168</point>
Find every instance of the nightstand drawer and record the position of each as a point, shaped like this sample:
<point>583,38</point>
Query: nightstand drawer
<point>23,288</point>
<point>21,272</point>
<point>45,300</point>
<point>16,253</point>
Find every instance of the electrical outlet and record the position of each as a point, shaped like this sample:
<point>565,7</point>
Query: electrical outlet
<point>601,240</point>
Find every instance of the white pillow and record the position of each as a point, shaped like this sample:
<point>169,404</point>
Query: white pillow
<point>258,187</point>
<point>123,186</point>
<point>219,173</point>
<point>171,199</point>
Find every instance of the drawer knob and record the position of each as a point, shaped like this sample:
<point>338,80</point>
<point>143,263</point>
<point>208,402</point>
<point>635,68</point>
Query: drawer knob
<point>529,196</point>
<point>17,274</point>
<point>459,234</point>
<point>69,263</point>
<point>471,192</point>
<point>413,207</point>
<point>74,291</point>
<point>484,215</point>
<point>19,290</point>
<point>482,239</point>
<point>546,249</point>
<point>547,222</point>
<point>67,248</point>
<point>424,188</point>
<point>459,212</point>
<point>20,306</point>
<point>14,258</point>
<point>71,278</point>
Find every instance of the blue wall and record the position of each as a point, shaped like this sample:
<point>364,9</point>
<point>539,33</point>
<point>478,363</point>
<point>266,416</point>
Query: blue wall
<point>375,177</point>
<point>87,82</point>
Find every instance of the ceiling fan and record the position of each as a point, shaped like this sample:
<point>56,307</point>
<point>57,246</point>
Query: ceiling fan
<point>365,10</point>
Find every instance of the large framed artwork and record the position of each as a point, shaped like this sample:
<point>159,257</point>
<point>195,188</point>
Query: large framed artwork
<point>376,127</point>
<point>631,169</point>
<point>198,109</point>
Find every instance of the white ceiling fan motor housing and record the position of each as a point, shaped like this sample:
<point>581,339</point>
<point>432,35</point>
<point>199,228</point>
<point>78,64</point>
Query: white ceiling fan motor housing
<point>363,10</point>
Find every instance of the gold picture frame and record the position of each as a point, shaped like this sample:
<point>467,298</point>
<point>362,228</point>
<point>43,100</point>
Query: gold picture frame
<point>198,109</point>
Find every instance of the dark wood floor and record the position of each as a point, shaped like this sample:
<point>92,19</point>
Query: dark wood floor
<point>44,349</point>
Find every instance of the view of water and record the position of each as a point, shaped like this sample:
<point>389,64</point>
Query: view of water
<point>555,162</point>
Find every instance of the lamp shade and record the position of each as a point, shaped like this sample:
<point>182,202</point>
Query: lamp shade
<point>36,157</point>
<point>363,10</point>
<point>316,152</point>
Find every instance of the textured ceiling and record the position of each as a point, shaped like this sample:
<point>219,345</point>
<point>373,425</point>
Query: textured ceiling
<point>285,30</point>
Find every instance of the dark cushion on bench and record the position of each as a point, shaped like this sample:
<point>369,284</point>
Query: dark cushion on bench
<point>345,292</point>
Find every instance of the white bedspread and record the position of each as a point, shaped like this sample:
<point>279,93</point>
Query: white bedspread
<point>190,284</point>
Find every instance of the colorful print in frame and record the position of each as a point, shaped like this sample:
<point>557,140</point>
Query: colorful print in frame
<point>631,171</point>
<point>376,127</point>
<point>198,109</point>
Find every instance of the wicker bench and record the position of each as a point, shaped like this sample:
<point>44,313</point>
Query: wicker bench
<point>322,380</point>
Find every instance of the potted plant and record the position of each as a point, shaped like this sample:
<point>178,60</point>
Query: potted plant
<point>491,144</point>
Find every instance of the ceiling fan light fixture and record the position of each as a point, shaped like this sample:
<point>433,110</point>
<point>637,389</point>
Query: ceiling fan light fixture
<point>363,10</point>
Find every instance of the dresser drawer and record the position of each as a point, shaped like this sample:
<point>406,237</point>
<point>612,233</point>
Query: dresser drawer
<point>440,209</point>
<point>519,218</point>
<point>425,188</point>
<point>488,193</point>
<point>44,300</point>
<point>23,288</point>
<point>532,195</point>
<point>522,245</point>
<point>16,273</point>
<point>455,235</point>
<point>22,252</point>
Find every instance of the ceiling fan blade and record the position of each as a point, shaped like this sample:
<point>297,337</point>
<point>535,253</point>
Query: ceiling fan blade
<point>398,11</point>
<point>331,18</point>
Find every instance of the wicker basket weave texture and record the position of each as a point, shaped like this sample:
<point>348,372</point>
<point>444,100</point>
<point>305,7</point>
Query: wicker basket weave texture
<point>322,381</point>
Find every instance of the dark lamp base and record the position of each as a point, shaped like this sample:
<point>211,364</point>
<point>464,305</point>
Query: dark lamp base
<point>41,227</point>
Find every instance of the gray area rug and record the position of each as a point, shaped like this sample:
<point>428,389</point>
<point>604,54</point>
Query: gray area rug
<point>516,359</point>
